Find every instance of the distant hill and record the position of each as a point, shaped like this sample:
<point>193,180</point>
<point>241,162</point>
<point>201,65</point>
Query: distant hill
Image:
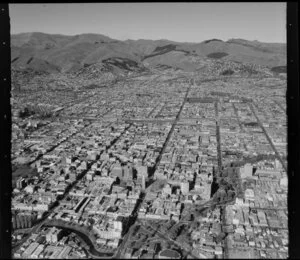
<point>54,53</point>
<point>208,41</point>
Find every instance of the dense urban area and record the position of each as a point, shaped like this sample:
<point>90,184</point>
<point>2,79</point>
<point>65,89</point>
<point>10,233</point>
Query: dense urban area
<point>160,164</point>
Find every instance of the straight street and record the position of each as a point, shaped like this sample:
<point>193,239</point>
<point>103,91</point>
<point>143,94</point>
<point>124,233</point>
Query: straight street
<point>268,137</point>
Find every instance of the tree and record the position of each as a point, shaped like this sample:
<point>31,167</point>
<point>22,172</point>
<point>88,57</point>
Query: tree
<point>26,221</point>
<point>30,222</point>
<point>227,72</point>
<point>18,222</point>
<point>231,194</point>
<point>22,221</point>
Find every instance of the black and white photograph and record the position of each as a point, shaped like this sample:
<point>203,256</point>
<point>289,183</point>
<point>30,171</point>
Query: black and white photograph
<point>149,130</point>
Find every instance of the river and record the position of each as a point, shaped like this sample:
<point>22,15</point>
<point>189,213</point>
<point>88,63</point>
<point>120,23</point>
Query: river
<point>85,238</point>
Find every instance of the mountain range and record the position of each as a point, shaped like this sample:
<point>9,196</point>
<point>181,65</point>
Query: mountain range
<point>54,53</point>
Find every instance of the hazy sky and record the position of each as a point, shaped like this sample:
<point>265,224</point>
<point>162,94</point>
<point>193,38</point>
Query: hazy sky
<point>183,22</point>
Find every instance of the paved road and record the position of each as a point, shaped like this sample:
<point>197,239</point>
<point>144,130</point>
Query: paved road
<point>218,136</point>
<point>206,205</point>
<point>268,137</point>
<point>149,120</point>
<point>152,111</point>
<point>237,117</point>
<point>156,164</point>
<point>171,130</point>
<point>42,221</point>
<point>122,246</point>
<point>209,203</point>
<point>239,122</point>
<point>55,146</point>
<point>89,118</point>
<point>34,229</point>
<point>185,250</point>
<point>161,109</point>
<point>76,229</point>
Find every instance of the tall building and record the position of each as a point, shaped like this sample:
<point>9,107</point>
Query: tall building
<point>118,225</point>
<point>14,222</point>
<point>143,182</point>
<point>92,155</point>
<point>167,189</point>
<point>278,165</point>
<point>246,171</point>
<point>54,235</point>
<point>142,170</point>
<point>49,236</point>
<point>72,176</point>
<point>83,165</point>
<point>68,160</point>
<point>117,171</point>
<point>284,182</point>
<point>127,172</point>
<point>184,186</point>
<point>20,183</point>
